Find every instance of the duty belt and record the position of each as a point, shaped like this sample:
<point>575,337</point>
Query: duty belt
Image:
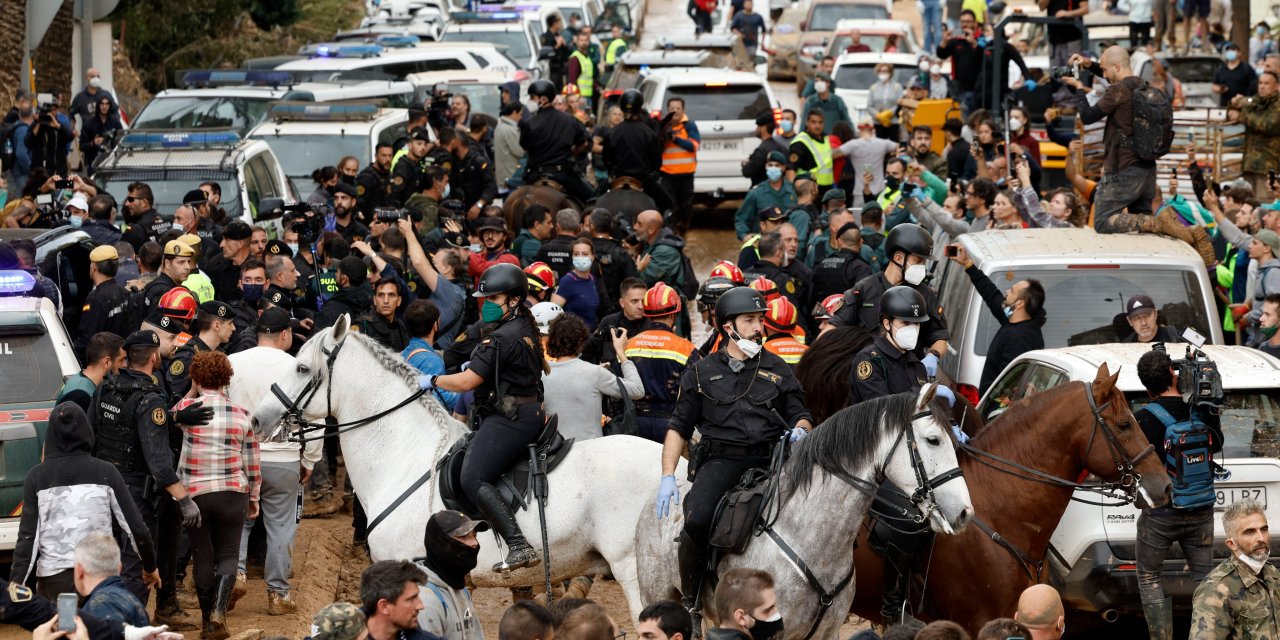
<point>758,450</point>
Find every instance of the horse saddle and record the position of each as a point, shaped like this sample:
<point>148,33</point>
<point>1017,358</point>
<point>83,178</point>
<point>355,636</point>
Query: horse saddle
<point>738,516</point>
<point>544,181</point>
<point>550,448</point>
<point>626,183</point>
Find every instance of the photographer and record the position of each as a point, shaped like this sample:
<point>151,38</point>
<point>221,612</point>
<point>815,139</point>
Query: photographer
<point>48,139</point>
<point>1193,431</point>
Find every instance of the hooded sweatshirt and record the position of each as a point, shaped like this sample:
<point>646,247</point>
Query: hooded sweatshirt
<point>70,495</point>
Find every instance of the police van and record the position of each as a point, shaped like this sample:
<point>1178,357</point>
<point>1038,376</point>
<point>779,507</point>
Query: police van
<point>326,62</point>
<point>306,136</point>
<point>173,163</point>
<point>35,358</point>
<point>1092,557</point>
<point>514,36</point>
<point>482,88</point>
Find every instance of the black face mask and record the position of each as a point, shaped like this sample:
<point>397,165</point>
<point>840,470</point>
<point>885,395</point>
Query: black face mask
<point>766,629</point>
<point>448,558</point>
<point>891,183</point>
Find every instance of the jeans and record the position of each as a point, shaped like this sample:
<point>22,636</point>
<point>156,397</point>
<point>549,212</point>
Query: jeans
<point>932,25</point>
<point>278,501</point>
<point>1192,530</point>
<point>1132,188</point>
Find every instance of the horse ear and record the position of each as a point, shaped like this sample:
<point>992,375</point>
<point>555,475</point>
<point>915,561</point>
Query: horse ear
<point>1102,374</point>
<point>340,328</point>
<point>930,390</point>
<point>1104,382</point>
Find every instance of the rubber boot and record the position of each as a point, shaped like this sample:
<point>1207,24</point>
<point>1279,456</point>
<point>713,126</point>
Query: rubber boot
<point>519,553</point>
<point>168,611</point>
<point>1159,619</point>
<point>205,596</point>
<point>897,582</point>
<point>216,629</point>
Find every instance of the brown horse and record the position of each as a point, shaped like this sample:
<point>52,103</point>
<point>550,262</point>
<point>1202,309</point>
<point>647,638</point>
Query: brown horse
<point>972,579</point>
<point>546,194</point>
<point>824,370</point>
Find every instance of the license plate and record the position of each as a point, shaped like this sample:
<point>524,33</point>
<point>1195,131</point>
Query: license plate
<point>1227,495</point>
<point>720,145</point>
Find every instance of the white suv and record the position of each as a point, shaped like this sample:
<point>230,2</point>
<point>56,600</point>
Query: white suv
<point>1092,554</point>
<point>305,137</point>
<point>724,105</point>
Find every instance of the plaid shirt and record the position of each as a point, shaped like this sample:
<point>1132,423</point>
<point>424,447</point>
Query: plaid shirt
<point>221,455</point>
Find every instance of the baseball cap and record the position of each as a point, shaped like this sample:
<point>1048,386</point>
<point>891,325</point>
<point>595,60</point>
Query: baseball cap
<point>104,253</point>
<point>420,133</point>
<point>338,621</point>
<point>865,122</point>
<point>274,320</point>
<point>78,202</point>
<point>492,222</point>
<point>456,523</point>
<point>237,230</point>
<point>776,156</point>
<point>145,337</point>
<point>195,196</point>
<point>1139,304</point>
<point>1269,238</point>
<point>773,214</point>
<point>179,249</point>
<point>1273,206</point>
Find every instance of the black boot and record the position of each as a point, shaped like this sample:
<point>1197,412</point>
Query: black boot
<point>519,553</point>
<point>693,568</point>
<point>897,583</point>
<point>167,608</point>
<point>205,596</point>
<point>1159,619</point>
<point>216,629</point>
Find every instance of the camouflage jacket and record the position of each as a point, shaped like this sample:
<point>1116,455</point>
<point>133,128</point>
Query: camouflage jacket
<point>1261,119</point>
<point>1233,602</point>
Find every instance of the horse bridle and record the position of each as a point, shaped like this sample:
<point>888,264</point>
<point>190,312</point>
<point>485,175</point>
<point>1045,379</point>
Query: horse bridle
<point>1127,483</point>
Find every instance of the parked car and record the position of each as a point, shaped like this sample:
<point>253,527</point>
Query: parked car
<point>1195,72</point>
<point>305,137</point>
<point>856,72</point>
<point>806,43</point>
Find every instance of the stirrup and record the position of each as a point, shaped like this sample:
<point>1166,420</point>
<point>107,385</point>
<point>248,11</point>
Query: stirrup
<point>518,558</point>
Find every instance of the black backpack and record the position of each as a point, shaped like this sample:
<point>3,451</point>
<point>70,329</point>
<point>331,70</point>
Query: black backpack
<point>1152,123</point>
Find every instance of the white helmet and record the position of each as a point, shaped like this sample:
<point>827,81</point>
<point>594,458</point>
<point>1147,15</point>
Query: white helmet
<point>544,313</point>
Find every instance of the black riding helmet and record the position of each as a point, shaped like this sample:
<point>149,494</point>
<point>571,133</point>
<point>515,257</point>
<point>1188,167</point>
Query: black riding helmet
<point>631,102</point>
<point>542,88</point>
<point>737,301</point>
<point>711,289</point>
<point>911,238</point>
<point>502,278</point>
<point>903,303</point>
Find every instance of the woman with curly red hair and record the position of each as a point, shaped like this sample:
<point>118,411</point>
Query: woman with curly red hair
<point>219,466</point>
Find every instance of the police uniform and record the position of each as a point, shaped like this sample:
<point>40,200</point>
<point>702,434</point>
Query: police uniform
<point>373,190</point>
<point>788,285</point>
<point>106,308</point>
<point>155,289</point>
<point>406,172</point>
<point>880,369</point>
<point>862,309</point>
<point>320,288</point>
<point>661,357</point>
<point>177,373</point>
<point>633,149</point>
<point>149,227</point>
<point>837,272</point>
<point>550,137</point>
<point>474,176</point>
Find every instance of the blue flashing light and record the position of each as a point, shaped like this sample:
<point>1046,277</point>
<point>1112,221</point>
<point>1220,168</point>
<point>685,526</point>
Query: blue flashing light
<point>489,8</point>
<point>179,139</point>
<point>340,50</point>
<point>227,77</point>
<point>16,281</point>
<point>485,14</point>
<point>397,42</point>
<point>324,111</point>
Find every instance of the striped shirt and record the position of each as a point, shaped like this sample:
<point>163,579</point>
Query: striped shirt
<point>222,455</point>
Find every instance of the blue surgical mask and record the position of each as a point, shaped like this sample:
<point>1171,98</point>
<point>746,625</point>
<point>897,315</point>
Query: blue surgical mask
<point>982,41</point>
<point>252,292</point>
<point>1008,311</point>
<point>447,189</point>
<point>786,126</point>
<point>774,173</point>
<point>75,221</point>
<point>581,263</point>
<point>293,247</point>
<point>1231,55</point>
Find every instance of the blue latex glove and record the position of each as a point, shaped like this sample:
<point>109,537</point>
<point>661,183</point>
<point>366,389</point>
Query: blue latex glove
<point>466,365</point>
<point>426,382</point>
<point>930,362</point>
<point>945,392</point>
<point>1029,84</point>
<point>668,495</point>
<point>961,436</point>
<point>798,434</point>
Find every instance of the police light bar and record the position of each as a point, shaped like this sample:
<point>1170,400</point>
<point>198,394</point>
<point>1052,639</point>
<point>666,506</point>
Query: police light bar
<point>509,7</point>
<point>397,42</point>
<point>16,281</point>
<point>234,77</point>
<point>484,16</point>
<point>340,50</point>
<point>179,139</point>
<point>330,111</point>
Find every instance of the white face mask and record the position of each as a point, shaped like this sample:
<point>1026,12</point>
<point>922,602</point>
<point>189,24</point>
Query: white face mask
<point>95,82</point>
<point>1256,565</point>
<point>1015,124</point>
<point>749,348</point>
<point>821,86</point>
<point>907,336</point>
<point>915,273</point>
<point>924,65</point>
<point>935,70</point>
<point>884,77</point>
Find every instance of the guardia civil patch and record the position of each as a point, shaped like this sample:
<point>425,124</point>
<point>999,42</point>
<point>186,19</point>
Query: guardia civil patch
<point>177,368</point>
<point>864,370</point>
<point>158,416</point>
<point>19,593</point>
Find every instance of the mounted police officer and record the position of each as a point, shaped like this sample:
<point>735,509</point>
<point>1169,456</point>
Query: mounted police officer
<point>743,400</point>
<point>552,138</point>
<point>506,373</point>
<point>131,424</point>
<point>908,248</point>
<point>633,149</point>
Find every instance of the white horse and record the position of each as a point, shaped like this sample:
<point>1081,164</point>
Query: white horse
<point>596,494</point>
<point>826,489</point>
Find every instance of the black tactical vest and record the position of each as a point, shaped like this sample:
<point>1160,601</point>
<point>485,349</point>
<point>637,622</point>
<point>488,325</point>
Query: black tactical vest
<point>115,434</point>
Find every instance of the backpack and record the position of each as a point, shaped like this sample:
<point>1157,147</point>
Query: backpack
<point>1152,124</point>
<point>1188,457</point>
<point>689,282</point>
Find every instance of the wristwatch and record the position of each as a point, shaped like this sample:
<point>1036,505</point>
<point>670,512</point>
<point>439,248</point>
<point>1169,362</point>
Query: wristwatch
<point>935,354</point>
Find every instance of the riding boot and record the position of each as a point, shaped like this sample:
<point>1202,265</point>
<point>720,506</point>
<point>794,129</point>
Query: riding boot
<point>499,516</point>
<point>216,629</point>
<point>897,586</point>
<point>205,596</point>
<point>693,568</point>
<point>1159,619</point>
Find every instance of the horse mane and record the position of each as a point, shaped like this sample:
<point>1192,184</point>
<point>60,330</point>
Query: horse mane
<point>391,361</point>
<point>824,370</point>
<point>850,438</point>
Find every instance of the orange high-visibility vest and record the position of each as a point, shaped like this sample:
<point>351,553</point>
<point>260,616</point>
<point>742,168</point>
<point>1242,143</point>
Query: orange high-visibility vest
<point>675,159</point>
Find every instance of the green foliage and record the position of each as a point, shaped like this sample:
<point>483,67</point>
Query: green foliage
<point>274,13</point>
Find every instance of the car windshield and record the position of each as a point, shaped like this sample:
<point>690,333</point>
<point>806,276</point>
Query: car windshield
<point>302,154</point>
<point>733,102</point>
<point>862,76</point>
<point>825,16</point>
<point>516,43</point>
<point>1196,70</point>
<point>192,112</point>
<point>168,186</point>
<point>1250,422</point>
<point>1086,306</point>
<point>31,372</point>
<point>875,41</point>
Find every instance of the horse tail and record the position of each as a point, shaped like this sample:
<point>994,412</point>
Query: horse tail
<point>824,370</point>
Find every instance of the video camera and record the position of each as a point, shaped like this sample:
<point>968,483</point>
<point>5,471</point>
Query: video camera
<point>308,220</point>
<point>1199,380</point>
<point>389,215</point>
<point>1065,71</point>
<point>49,213</point>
